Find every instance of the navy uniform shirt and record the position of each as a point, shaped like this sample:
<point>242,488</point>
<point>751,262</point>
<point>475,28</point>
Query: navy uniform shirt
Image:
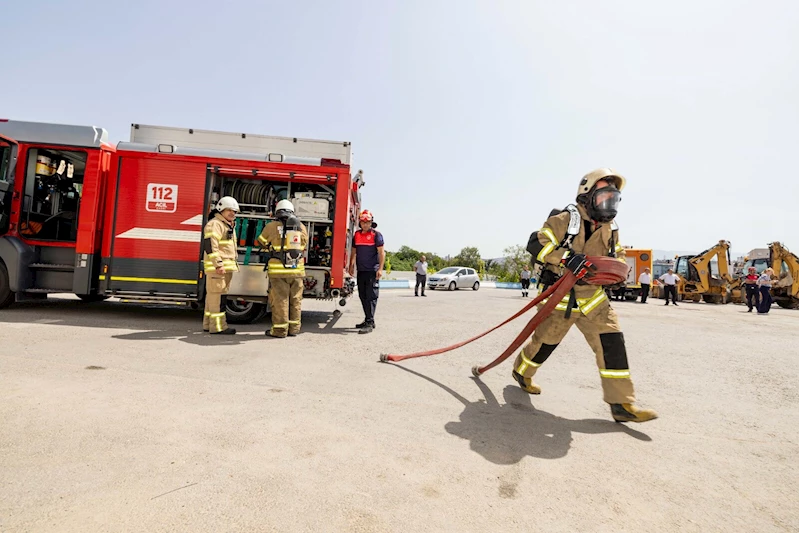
<point>367,258</point>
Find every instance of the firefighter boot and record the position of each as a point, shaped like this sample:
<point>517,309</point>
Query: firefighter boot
<point>526,384</point>
<point>627,412</point>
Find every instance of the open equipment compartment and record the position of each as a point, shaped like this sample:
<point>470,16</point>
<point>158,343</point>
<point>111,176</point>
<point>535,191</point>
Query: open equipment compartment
<point>257,192</point>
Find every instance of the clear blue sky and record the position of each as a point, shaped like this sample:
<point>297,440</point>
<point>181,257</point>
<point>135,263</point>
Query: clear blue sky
<point>470,119</point>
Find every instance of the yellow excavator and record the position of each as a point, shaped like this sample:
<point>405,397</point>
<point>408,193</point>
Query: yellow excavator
<point>786,267</point>
<point>698,282</point>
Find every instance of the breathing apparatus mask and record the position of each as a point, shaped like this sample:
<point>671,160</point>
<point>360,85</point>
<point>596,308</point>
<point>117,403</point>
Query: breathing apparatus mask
<point>602,203</point>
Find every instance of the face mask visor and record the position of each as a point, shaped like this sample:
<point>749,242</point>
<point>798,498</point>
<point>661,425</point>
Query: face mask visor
<point>605,203</point>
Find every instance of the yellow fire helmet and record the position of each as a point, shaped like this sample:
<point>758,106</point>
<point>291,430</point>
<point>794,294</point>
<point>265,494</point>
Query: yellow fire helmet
<point>589,180</point>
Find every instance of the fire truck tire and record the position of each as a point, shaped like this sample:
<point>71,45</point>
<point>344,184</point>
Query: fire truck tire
<point>6,296</point>
<point>239,312</point>
<point>92,298</point>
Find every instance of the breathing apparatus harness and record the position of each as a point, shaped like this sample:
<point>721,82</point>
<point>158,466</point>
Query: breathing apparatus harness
<point>548,277</point>
<point>291,250</point>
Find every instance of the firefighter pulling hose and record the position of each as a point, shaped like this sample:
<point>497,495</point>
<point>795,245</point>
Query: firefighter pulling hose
<point>603,271</point>
<point>579,252</point>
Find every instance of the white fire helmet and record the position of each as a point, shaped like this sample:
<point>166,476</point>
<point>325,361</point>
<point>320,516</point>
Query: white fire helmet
<point>284,205</point>
<point>227,202</point>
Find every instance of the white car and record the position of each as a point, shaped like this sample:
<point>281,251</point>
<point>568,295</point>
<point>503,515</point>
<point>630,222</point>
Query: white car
<point>452,278</point>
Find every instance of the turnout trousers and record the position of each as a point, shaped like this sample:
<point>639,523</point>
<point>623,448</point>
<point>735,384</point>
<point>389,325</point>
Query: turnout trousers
<point>600,327</point>
<point>216,289</point>
<point>285,299</point>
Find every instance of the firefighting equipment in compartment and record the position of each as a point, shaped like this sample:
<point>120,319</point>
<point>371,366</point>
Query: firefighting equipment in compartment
<point>601,202</point>
<point>227,202</point>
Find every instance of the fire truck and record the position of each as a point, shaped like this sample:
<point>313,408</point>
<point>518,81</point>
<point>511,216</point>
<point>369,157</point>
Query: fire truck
<point>79,215</point>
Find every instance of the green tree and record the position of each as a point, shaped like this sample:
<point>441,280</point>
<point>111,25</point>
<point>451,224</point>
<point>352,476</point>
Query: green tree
<point>514,259</point>
<point>469,257</point>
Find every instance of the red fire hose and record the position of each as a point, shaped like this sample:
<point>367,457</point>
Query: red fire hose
<point>609,271</point>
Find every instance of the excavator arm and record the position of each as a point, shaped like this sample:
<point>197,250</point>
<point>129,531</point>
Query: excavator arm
<point>700,283</point>
<point>701,263</point>
<point>786,267</point>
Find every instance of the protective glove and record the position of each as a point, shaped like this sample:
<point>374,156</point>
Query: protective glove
<point>579,265</point>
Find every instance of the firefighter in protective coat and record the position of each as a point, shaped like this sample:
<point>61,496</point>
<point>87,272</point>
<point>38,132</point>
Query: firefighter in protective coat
<point>220,261</point>
<point>587,229</point>
<point>285,240</point>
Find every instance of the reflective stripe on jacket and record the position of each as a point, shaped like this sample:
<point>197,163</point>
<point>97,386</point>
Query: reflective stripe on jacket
<point>271,239</point>
<point>598,244</point>
<point>222,238</point>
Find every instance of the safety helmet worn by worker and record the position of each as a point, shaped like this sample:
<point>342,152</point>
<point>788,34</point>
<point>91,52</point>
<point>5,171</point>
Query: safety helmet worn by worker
<point>366,216</point>
<point>284,209</point>
<point>602,203</point>
<point>227,202</point>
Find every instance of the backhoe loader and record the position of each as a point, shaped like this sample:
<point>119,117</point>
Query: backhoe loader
<point>697,282</point>
<point>786,266</point>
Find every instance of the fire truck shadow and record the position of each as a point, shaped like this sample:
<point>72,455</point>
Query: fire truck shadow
<point>505,433</point>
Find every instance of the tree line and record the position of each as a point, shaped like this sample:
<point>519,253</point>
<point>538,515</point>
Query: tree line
<point>506,268</point>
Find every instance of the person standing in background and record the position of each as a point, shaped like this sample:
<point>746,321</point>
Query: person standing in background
<point>670,280</point>
<point>645,280</point>
<point>752,290</point>
<point>368,258</point>
<point>421,275</point>
<point>765,291</point>
<point>525,279</point>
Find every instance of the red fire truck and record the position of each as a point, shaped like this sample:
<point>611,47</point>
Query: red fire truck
<point>79,215</point>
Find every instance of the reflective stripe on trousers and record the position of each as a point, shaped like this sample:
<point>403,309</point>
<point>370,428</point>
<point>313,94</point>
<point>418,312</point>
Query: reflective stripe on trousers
<point>585,305</point>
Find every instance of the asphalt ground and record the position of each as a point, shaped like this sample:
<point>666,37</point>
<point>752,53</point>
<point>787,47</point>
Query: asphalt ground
<point>125,417</point>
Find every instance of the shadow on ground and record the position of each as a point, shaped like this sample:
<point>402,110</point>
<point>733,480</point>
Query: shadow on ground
<point>505,433</point>
<point>155,321</point>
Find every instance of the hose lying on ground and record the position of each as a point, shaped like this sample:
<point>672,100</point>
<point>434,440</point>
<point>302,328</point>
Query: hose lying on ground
<point>609,271</point>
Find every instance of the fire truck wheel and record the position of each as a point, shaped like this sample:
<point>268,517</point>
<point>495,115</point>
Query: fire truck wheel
<point>241,312</point>
<point>6,296</point>
<point>92,298</point>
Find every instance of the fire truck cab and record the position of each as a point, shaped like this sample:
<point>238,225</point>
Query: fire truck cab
<point>82,216</point>
<point>52,228</point>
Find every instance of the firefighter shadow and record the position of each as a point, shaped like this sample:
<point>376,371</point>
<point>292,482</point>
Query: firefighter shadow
<point>505,433</point>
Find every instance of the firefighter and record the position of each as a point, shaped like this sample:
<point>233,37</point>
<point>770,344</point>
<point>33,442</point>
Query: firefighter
<point>220,262</point>
<point>285,240</point>
<point>563,243</point>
